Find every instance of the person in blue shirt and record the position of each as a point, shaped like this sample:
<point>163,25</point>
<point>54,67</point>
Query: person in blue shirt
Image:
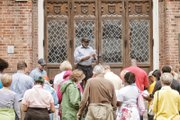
<point>39,71</point>
<point>47,86</point>
<point>3,65</point>
<point>21,83</point>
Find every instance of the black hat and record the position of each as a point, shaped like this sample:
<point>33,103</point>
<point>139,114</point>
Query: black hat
<point>42,62</point>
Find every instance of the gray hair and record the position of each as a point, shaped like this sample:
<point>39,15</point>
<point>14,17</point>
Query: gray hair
<point>98,69</point>
<point>166,78</point>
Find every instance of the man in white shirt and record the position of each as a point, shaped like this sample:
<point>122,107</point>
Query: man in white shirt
<point>115,79</point>
<point>84,56</point>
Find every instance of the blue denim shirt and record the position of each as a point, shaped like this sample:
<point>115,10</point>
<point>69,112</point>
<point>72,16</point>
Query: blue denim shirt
<point>48,87</point>
<point>37,72</point>
<point>20,83</point>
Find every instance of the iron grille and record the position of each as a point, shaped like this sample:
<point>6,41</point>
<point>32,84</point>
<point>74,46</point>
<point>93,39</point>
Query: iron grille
<point>112,41</point>
<point>57,41</point>
<point>84,29</point>
<point>139,40</point>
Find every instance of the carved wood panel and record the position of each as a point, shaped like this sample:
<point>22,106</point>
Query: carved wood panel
<point>118,29</point>
<point>57,7</point>
<point>84,21</point>
<point>111,28</point>
<point>139,8</point>
<point>57,38</point>
<point>139,29</point>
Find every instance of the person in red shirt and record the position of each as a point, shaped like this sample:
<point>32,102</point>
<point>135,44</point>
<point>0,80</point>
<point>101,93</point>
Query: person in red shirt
<point>140,75</point>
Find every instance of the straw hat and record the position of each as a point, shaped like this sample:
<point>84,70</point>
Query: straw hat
<point>77,75</point>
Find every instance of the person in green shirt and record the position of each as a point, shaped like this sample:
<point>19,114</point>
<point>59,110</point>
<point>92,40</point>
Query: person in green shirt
<point>71,95</point>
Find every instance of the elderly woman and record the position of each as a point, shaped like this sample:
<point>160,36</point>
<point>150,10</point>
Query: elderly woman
<point>37,102</point>
<point>71,95</point>
<point>64,66</point>
<point>8,100</point>
<point>127,99</point>
<point>166,102</point>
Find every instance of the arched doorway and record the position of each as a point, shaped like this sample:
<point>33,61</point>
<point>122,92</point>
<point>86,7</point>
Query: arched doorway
<point>119,29</point>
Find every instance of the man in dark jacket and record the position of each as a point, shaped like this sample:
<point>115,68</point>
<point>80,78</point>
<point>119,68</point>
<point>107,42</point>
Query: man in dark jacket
<point>174,85</point>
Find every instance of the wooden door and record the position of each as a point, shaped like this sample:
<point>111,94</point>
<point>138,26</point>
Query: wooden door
<point>138,38</point>
<point>85,22</point>
<point>119,30</point>
<point>57,34</point>
<point>112,33</point>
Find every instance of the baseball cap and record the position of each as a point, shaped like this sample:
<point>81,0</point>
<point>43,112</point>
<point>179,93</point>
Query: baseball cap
<point>42,62</point>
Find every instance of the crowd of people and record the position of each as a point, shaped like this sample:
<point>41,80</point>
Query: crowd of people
<point>87,92</point>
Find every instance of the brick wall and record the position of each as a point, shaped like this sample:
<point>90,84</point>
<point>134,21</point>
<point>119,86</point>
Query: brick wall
<point>35,33</point>
<point>169,11</point>
<point>18,29</point>
<point>161,33</point>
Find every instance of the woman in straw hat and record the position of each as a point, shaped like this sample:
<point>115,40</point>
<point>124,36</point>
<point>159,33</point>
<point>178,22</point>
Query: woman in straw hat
<point>71,95</point>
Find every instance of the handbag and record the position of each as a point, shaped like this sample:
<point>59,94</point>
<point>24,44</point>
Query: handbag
<point>140,104</point>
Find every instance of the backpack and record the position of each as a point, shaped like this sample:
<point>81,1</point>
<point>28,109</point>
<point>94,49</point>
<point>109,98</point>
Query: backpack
<point>65,78</point>
<point>59,93</point>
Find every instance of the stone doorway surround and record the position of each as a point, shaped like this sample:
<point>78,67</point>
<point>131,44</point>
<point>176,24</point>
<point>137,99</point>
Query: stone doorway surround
<point>155,32</point>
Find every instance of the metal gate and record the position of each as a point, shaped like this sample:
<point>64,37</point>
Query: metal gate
<point>119,30</point>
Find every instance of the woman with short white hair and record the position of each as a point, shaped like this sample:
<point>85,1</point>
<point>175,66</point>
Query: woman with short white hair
<point>64,66</point>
